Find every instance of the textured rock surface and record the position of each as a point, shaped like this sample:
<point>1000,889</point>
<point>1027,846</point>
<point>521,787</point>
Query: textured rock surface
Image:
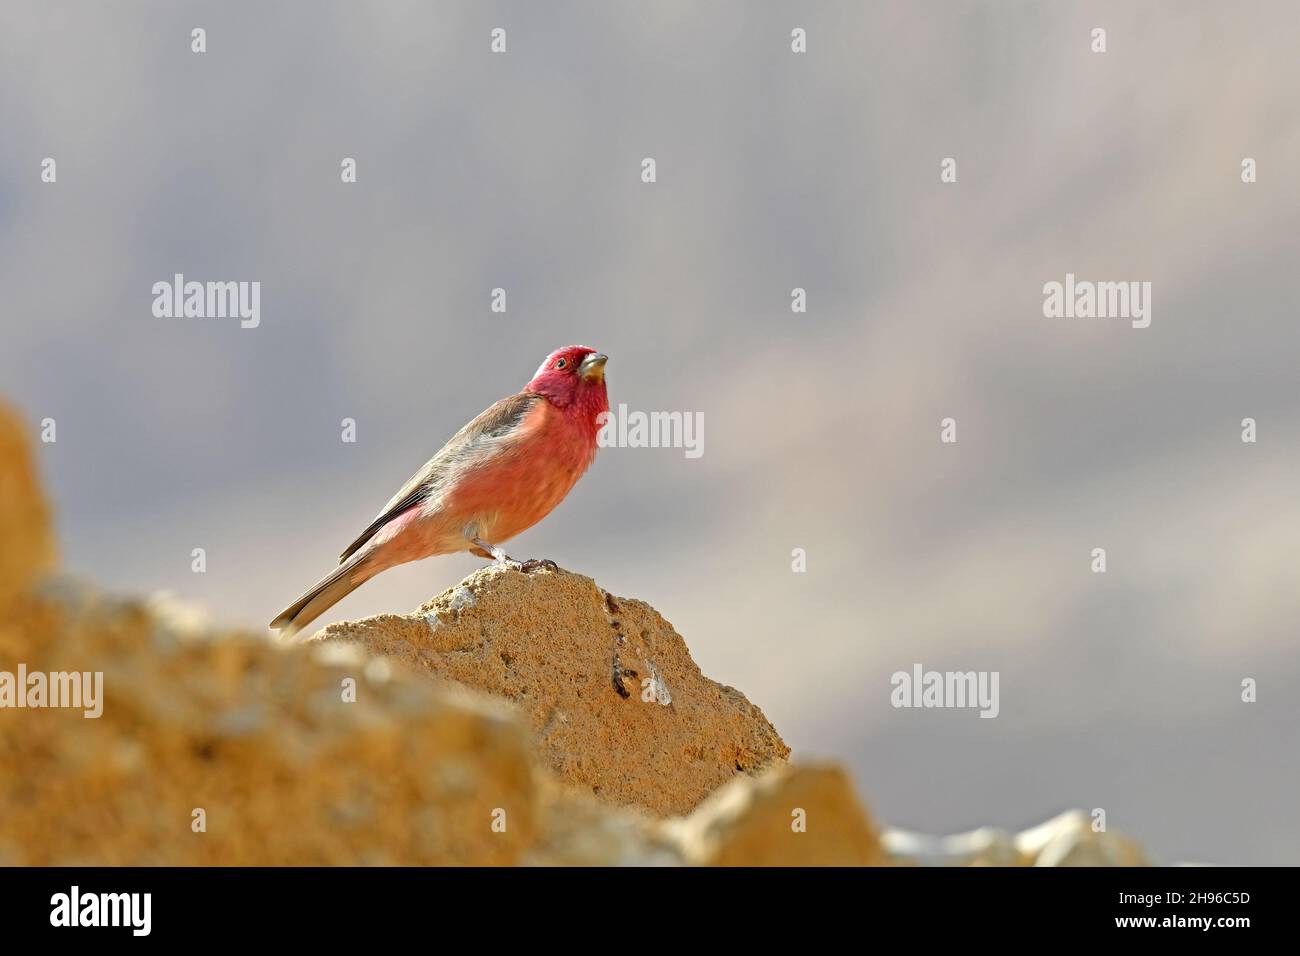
<point>614,701</point>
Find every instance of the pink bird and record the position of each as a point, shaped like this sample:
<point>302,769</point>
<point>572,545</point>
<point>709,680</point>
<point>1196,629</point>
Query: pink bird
<point>498,476</point>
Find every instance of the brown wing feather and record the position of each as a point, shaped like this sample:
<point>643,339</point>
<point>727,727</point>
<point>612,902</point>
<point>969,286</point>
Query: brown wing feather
<point>497,420</point>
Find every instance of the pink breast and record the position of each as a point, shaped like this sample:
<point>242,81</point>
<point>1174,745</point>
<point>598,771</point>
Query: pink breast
<point>512,491</point>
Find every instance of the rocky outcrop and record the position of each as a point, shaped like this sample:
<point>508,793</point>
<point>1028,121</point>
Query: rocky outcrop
<point>219,748</point>
<point>526,719</point>
<point>613,700</point>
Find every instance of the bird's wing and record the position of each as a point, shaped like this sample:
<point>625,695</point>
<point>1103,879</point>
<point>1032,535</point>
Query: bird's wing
<point>483,435</point>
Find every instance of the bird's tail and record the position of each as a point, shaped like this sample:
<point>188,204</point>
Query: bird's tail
<point>327,592</point>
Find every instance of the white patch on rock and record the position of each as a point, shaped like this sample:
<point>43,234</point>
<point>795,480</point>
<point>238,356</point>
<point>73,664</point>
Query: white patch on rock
<point>662,696</point>
<point>461,598</point>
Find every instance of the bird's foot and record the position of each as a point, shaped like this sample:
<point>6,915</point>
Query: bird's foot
<point>502,560</point>
<point>536,564</point>
<point>499,558</point>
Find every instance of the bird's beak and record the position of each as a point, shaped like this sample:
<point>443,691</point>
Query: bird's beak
<point>593,367</point>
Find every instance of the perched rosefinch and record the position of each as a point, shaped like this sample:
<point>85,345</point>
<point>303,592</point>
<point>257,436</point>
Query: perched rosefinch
<point>499,475</point>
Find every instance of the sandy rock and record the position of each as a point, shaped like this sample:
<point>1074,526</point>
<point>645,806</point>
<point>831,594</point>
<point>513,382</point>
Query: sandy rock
<point>1069,840</point>
<point>752,821</point>
<point>261,740</point>
<point>615,703</point>
<point>26,538</point>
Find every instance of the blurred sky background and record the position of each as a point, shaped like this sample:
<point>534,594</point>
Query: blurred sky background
<point>775,170</point>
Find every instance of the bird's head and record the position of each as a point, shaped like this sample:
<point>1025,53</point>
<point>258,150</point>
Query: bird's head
<point>572,376</point>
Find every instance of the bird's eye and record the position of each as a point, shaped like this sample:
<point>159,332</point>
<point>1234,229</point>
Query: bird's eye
<point>560,363</point>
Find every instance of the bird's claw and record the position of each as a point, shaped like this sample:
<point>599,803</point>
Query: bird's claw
<point>502,560</point>
<point>536,564</point>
